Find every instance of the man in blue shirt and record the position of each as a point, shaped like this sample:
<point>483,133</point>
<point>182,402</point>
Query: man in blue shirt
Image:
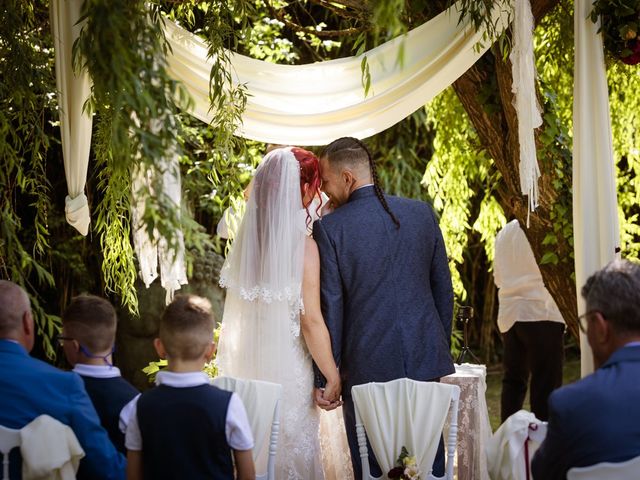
<point>30,388</point>
<point>597,419</point>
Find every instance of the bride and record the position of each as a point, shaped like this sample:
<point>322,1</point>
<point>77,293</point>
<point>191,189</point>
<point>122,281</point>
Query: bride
<point>272,325</point>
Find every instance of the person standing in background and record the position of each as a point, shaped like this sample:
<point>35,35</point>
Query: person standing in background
<point>531,325</point>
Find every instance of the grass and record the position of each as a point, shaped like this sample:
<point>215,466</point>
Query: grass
<point>571,373</point>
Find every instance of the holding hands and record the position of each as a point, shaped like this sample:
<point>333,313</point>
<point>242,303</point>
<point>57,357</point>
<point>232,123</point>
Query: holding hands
<point>328,398</point>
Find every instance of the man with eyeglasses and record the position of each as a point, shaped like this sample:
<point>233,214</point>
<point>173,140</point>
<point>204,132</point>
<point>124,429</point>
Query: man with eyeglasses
<point>597,419</point>
<point>30,388</point>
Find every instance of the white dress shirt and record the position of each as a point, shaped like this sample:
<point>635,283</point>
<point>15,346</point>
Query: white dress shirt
<point>237,429</point>
<point>96,371</point>
<point>522,294</point>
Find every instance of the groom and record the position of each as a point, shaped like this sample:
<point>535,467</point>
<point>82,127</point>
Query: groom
<point>386,288</point>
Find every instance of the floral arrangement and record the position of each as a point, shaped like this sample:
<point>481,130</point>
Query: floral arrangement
<point>406,467</point>
<point>620,22</point>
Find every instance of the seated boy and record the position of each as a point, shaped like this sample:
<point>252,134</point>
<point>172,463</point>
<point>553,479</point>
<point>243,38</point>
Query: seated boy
<point>185,427</point>
<point>88,337</point>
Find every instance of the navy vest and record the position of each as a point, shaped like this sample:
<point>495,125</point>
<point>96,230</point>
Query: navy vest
<point>109,396</point>
<point>183,433</point>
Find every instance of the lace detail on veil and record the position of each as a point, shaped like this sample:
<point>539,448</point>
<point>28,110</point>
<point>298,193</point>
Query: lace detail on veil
<point>267,295</point>
<point>261,294</point>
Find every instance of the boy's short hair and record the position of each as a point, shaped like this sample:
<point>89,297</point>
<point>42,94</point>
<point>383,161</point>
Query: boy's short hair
<point>92,321</point>
<point>186,327</point>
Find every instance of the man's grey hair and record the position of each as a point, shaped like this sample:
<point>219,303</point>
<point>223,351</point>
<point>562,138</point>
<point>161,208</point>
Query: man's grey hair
<point>614,291</point>
<point>14,302</point>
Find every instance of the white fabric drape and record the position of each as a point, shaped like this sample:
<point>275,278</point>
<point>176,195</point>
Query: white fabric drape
<point>403,413</point>
<point>259,400</point>
<point>595,207</point>
<point>316,103</point>
<point>506,455</point>
<point>50,450</point>
<point>152,250</point>
<point>525,100</point>
<point>75,126</point>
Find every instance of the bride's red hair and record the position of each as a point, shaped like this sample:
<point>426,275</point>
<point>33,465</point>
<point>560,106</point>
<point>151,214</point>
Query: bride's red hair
<point>309,175</point>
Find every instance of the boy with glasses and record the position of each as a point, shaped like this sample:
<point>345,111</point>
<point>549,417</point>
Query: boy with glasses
<point>88,338</point>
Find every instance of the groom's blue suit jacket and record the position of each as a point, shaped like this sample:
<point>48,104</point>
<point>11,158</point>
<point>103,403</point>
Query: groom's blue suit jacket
<point>386,292</point>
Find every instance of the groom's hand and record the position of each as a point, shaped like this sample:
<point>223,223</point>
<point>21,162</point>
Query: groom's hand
<point>318,396</point>
<point>332,388</point>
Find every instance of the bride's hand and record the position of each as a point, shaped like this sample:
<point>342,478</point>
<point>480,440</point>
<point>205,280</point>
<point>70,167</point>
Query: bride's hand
<point>332,389</point>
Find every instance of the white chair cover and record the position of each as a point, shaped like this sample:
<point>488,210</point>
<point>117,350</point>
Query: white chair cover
<point>9,439</point>
<point>50,450</point>
<point>629,470</point>
<point>506,458</point>
<point>405,413</point>
<point>260,399</point>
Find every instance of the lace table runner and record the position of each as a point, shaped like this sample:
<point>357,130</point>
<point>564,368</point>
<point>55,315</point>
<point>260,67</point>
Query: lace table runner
<point>474,428</point>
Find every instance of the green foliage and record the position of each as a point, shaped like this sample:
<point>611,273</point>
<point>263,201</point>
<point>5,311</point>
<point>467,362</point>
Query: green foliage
<point>624,98</point>
<point>554,62</point>
<point>112,224</point>
<point>153,368</point>
<point>478,12</point>
<point>456,168</point>
<point>619,23</point>
<point>26,101</point>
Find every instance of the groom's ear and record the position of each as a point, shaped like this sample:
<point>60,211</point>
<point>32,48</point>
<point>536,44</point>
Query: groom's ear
<point>348,177</point>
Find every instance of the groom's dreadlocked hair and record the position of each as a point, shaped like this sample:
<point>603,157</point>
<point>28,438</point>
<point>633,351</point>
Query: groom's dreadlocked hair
<point>351,151</point>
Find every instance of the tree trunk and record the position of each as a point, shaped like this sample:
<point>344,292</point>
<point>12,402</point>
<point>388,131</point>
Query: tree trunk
<point>498,132</point>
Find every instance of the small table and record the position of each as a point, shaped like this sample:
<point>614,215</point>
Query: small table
<point>474,429</point>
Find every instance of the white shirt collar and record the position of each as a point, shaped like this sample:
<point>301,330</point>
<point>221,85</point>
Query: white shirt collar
<point>362,186</point>
<point>182,380</point>
<point>96,371</point>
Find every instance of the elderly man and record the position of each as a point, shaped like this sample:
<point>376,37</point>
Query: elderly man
<point>30,388</point>
<point>597,419</point>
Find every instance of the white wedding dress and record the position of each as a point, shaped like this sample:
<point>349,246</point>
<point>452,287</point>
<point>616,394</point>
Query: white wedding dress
<point>260,336</point>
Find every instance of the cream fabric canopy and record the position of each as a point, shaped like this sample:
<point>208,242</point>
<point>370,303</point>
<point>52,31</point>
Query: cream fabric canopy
<point>316,103</point>
<point>75,125</point>
<point>596,229</point>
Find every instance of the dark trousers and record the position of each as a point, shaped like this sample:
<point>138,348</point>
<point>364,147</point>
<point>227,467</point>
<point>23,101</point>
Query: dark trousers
<point>349,413</point>
<point>531,349</point>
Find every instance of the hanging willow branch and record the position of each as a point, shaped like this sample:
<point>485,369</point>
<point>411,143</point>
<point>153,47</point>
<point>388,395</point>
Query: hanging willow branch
<point>122,45</point>
<point>26,103</point>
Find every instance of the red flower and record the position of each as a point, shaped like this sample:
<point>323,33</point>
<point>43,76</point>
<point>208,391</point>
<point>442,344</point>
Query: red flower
<point>396,472</point>
<point>634,57</point>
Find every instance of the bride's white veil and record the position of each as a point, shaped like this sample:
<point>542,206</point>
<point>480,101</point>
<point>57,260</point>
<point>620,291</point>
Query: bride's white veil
<point>263,275</point>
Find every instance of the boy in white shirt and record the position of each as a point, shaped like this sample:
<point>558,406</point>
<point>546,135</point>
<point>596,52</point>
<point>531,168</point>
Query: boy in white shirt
<point>185,427</point>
